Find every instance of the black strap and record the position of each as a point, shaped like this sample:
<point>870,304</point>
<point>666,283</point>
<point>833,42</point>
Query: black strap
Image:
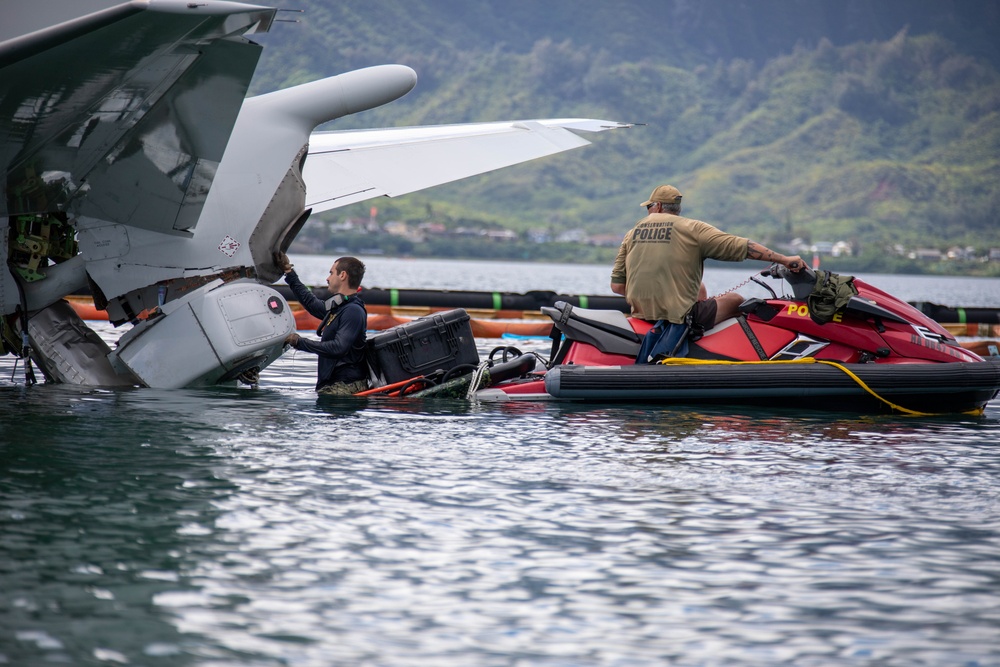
<point>556,335</point>
<point>22,311</point>
<point>682,339</point>
<point>758,348</point>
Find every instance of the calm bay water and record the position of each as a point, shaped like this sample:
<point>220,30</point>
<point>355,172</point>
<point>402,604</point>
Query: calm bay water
<point>272,527</point>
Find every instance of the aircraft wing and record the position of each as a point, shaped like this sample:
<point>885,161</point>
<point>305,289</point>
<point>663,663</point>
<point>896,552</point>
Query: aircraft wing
<point>123,115</point>
<point>351,166</point>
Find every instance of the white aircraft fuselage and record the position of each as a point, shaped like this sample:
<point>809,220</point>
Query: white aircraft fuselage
<point>135,166</point>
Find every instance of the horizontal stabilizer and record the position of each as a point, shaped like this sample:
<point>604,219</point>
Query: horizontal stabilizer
<point>348,167</point>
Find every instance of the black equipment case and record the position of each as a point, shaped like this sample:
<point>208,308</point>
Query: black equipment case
<point>439,341</point>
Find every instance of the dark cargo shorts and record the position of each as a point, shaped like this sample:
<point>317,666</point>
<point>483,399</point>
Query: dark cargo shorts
<point>703,313</point>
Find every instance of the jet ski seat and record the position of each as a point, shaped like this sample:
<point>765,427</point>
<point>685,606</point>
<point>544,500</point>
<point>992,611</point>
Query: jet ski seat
<point>607,330</point>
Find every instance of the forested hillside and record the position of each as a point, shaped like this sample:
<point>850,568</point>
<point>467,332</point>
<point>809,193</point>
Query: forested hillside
<point>875,123</point>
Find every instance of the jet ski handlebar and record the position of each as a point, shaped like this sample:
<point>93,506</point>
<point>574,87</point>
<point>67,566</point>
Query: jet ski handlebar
<point>782,272</point>
<point>802,282</point>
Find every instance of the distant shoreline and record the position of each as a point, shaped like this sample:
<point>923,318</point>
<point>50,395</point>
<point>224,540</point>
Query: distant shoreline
<point>895,266</point>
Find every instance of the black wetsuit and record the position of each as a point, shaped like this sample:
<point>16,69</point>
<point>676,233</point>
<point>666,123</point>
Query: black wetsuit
<point>341,348</point>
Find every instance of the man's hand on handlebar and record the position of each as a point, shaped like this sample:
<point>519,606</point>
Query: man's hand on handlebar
<point>785,271</point>
<point>794,263</point>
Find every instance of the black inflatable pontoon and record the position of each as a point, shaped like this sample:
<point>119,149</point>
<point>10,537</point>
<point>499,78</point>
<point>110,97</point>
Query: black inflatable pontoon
<point>927,388</point>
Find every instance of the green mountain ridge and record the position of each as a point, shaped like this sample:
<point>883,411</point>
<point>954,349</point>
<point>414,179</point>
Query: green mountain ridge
<point>819,120</point>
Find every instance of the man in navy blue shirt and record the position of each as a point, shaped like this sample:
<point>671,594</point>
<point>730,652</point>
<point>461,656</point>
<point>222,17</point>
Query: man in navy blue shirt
<point>341,368</point>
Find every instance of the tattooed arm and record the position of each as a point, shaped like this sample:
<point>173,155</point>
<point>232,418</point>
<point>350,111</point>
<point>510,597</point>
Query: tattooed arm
<point>757,251</point>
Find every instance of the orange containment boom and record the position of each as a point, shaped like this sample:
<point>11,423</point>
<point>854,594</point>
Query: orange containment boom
<point>379,319</point>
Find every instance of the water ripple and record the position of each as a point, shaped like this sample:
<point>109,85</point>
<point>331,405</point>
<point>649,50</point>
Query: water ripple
<point>270,527</point>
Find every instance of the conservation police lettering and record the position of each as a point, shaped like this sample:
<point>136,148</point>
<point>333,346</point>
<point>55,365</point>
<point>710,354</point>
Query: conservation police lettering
<point>653,232</point>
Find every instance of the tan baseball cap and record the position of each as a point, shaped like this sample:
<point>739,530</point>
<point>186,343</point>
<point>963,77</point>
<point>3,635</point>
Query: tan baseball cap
<point>664,194</point>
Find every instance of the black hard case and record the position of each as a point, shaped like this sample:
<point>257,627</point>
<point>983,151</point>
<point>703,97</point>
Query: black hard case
<point>440,341</point>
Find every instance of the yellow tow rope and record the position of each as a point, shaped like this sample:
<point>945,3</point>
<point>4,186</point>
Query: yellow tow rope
<point>681,361</point>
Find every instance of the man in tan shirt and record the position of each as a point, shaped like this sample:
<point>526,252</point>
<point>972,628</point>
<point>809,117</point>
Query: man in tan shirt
<point>660,264</point>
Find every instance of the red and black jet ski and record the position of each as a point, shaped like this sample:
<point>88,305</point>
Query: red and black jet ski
<point>876,353</point>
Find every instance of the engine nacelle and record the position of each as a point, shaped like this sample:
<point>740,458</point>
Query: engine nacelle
<point>211,336</point>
